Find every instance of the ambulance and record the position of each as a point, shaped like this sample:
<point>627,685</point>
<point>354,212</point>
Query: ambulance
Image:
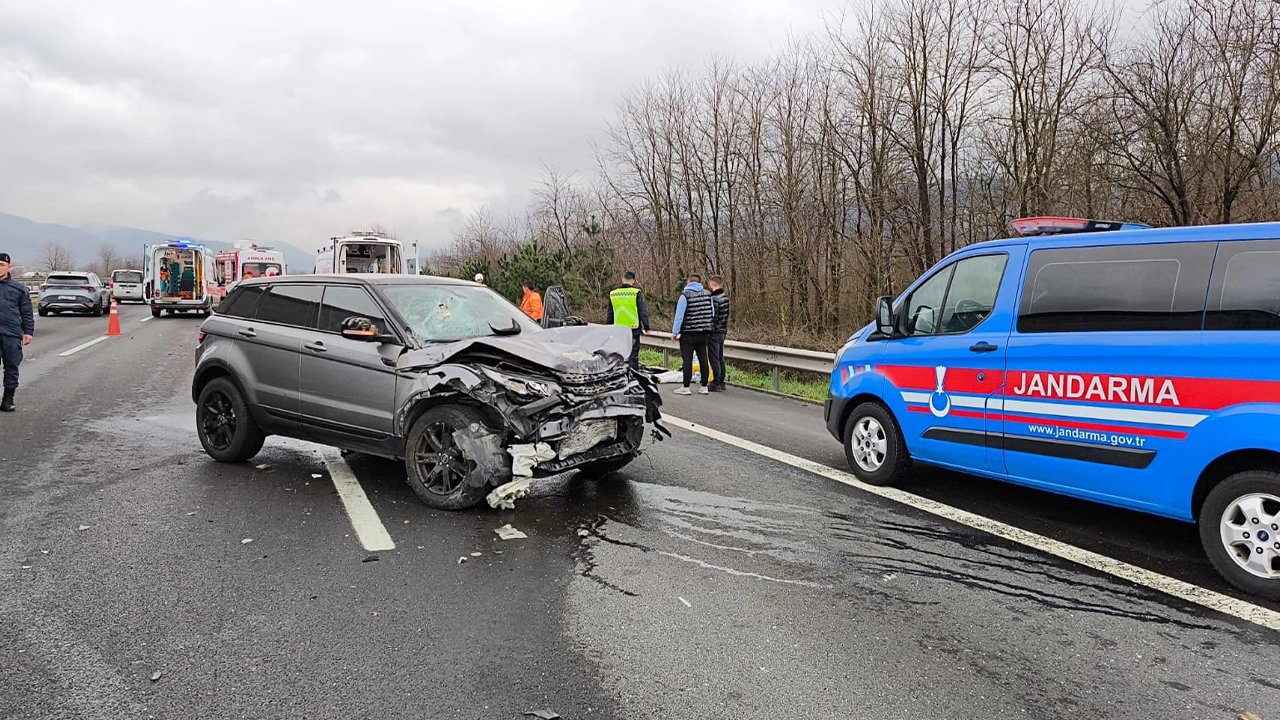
<point>1107,361</point>
<point>364,251</point>
<point>179,277</point>
<point>243,263</point>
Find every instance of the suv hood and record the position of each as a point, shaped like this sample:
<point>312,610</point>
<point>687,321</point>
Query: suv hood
<point>586,349</point>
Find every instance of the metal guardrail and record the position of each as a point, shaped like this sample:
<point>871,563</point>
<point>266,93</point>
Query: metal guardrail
<point>778,358</point>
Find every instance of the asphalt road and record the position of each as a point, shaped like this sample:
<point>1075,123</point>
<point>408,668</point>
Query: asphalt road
<point>702,582</point>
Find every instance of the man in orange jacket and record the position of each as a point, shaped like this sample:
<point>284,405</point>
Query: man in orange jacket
<point>531,305</point>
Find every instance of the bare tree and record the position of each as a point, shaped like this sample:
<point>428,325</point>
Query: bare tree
<point>55,256</point>
<point>108,259</point>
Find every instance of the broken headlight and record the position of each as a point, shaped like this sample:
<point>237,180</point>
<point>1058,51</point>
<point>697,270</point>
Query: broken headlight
<point>522,386</point>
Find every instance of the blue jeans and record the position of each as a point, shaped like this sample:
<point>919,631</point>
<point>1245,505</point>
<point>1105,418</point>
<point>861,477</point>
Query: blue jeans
<point>10,358</point>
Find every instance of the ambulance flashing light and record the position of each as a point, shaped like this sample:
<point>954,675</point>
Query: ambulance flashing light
<point>1061,225</point>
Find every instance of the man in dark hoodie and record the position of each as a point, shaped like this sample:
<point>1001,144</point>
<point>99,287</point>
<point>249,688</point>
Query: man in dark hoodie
<point>695,318</point>
<point>17,327</point>
<point>720,328</point>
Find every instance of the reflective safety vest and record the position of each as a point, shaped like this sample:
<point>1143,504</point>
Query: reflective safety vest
<point>626,311</point>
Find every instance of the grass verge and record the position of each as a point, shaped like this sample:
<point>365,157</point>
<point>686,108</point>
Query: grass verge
<point>791,384</point>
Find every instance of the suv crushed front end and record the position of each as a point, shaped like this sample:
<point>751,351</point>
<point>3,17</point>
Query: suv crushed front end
<point>555,400</point>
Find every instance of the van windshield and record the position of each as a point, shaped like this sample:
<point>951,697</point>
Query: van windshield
<point>448,313</point>
<point>127,276</point>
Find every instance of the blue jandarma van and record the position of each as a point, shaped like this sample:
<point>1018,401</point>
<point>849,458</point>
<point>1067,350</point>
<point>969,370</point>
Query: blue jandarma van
<point>1127,365</point>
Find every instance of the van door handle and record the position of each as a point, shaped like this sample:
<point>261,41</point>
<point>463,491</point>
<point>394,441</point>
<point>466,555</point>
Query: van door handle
<point>316,346</point>
<point>983,347</point>
<point>249,333</point>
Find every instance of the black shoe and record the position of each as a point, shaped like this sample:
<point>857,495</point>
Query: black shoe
<point>716,388</point>
<point>7,405</point>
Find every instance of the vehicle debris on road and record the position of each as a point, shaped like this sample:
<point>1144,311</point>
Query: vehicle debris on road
<point>506,532</point>
<point>543,714</point>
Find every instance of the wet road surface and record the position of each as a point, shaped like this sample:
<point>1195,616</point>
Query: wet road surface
<point>701,582</point>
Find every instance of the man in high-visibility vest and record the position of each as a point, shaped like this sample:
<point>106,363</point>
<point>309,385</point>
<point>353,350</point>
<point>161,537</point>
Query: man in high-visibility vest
<point>627,308</point>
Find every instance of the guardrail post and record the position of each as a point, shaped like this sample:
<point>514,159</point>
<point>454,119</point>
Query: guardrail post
<point>777,379</point>
<point>666,359</point>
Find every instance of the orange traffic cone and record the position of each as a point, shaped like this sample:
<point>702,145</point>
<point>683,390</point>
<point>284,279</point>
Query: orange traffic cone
<point>113,324</point>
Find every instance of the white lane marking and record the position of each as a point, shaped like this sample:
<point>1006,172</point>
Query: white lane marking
<point>145,319</point>
<point>369,529</point>
<point>83,346</point>
<point>1186,591</point>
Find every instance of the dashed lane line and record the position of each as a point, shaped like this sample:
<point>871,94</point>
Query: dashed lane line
<point>83,346</point>
<point>1182,590</point>
<point>369,529</point>
<point>145,319</point>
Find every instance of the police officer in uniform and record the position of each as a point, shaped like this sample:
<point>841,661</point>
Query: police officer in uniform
<point>17,327</point>
<point>627,309</point>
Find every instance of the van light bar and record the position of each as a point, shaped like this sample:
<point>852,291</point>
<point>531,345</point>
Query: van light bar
<point>1059,225</point>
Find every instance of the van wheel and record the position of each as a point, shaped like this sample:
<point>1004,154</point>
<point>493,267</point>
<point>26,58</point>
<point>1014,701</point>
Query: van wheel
<point>1240,531</point>
<point>43,312</point>
<point>873,445</point>
<point>155,312</point>
<point>226,429</point>
<point>444,475</point>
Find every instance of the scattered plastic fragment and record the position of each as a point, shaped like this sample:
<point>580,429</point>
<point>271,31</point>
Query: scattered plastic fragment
<point>686,602</point>
<point>406,522</point>
<point>506,532</point>
<point>246,541</point>
<point>190,514</point>
<point>263,466</point>
<point>583,532</point>
<point>156,675</point>
<point>524,457</point>
<point>544,714</point>
<point>371,558</point>
<point>462,559</point>
<point>504,496</point>
<point>475,554</point>
<point>82,528</point>
<point>316,476</point>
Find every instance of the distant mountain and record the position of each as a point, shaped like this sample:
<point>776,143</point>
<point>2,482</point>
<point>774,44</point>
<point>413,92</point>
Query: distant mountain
<point>24,240</point>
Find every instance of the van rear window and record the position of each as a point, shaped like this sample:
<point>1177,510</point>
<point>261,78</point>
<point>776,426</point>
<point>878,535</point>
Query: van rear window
<point>127,276</point>
<point>1116,288</point>
<point>1245,292</point>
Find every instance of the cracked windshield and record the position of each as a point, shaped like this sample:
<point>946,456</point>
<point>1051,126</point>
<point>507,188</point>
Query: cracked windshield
<point>709,360</point>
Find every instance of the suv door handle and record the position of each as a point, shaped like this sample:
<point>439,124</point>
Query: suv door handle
<point>247,332</point>
<point>316,346</point>
<point>984,347</point>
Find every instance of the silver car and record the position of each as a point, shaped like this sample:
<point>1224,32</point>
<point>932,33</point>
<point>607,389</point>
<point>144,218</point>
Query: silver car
<point>78,292</point>
<point>447,375</point>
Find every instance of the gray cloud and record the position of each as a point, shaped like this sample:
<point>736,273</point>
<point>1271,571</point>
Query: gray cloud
<point>293,120</point>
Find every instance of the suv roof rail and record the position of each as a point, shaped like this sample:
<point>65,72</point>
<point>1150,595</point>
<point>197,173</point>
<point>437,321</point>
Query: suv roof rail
<point>1061,225</point>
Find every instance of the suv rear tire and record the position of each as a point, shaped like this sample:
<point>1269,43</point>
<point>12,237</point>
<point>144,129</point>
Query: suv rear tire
<point>226,429</point>
<point>1228,514</point>
<point>442,474</point>
<point>873,445</point>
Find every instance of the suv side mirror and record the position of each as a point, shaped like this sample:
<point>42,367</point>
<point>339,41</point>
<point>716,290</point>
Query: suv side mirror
<point>359,328</point>
<point>885,324</point>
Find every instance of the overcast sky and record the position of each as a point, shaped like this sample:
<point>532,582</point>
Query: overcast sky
<point>296,120</point>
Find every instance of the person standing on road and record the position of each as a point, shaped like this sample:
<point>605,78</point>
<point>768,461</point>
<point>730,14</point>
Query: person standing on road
<point>17,328</point>
<point>720,328</point>
<point>627,309</point>
<point>531,303</point>
<point>695,319</point>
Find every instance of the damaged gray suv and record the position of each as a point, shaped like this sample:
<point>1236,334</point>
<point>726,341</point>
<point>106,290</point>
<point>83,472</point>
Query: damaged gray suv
<point>476,398</point>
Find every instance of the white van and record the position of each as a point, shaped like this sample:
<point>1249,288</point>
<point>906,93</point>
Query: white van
<point>179,278</point>
<point>362,252</point>
<point>127,285</point>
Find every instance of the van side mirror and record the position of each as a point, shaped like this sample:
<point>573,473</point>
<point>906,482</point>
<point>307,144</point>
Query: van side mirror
<point>885,324</point>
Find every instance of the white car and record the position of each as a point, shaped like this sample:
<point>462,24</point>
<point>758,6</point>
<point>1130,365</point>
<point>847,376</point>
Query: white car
<point>127,285</point>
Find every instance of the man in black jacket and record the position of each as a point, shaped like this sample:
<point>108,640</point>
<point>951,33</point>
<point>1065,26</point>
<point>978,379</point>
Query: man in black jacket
<point>720,328</point>
<point>17,328</point>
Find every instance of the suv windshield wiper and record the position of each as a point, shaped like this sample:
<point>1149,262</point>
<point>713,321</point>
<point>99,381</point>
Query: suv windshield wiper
<point>513,330</point>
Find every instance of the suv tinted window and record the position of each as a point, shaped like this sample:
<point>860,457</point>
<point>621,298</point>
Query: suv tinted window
<point>957,298</point>
<point>242,302</point>
<point>344,301</point>
<point>290,305</point>
<point>1120,287</point>
<point>1244,293</point>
